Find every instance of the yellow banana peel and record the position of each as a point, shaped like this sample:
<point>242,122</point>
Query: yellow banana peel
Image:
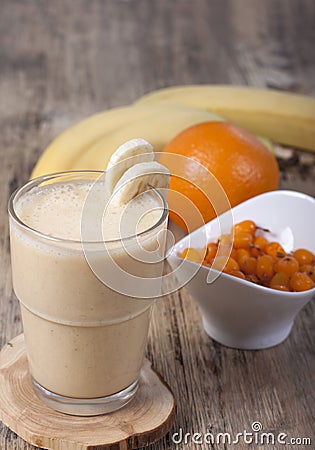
<point>160,115</point>
<point>158,129</point>
<point>90,143</point>
<point>281,116</point>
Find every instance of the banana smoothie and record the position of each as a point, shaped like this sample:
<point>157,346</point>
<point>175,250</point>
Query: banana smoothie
<point>85,338</point>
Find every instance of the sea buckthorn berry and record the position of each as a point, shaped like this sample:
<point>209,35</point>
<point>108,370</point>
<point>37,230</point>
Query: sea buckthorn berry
<point>248,265</point>
<point>264,267</point>
<point>231,265</point>
<point>255,251</point>
<point>252,278</point>
<point>220,262</point>
<point>192,255</point>
<point>309,269</point>
<point>242,239</point>
<point>224,250</point>
<point>288,265</point>
<point>210,251</point>
<point>241,254</point>
<point>246,226</point>
<point>280,287</point>
<point>237,274</point>
<point>225,239</point>
<point>258,246</point>
<point>207,263</point>
<point>304,256</point>
<point>280,279</point>
<point>300,281</point>
<point>275,250</point>
<point>257,260</point>
<point>261,242</point>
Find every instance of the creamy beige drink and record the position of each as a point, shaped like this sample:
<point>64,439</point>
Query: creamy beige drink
<point>84,340</point>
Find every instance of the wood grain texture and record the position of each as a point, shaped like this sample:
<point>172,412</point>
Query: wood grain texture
<point>147,418</point>
<point>61,61</point>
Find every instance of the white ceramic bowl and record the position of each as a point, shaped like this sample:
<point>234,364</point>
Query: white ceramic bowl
<point>238,313</point>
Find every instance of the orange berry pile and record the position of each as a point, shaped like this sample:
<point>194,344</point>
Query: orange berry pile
<point>255,259</point>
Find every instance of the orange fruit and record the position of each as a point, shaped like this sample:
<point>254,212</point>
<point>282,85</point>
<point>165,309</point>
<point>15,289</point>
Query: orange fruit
<point>241,164</point>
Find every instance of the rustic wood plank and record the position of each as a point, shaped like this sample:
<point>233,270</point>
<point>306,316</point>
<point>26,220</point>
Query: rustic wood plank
<point>61,62</point>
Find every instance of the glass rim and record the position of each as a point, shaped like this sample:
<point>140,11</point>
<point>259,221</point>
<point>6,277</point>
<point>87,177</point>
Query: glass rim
<point>36,181</point>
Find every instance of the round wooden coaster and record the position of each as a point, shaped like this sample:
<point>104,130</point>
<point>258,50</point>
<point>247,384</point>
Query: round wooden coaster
<point>147,418</point>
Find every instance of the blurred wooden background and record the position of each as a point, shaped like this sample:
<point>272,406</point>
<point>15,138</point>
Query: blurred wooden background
<point>63,60</point>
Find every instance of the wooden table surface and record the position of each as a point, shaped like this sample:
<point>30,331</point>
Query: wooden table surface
<point>63,60</point>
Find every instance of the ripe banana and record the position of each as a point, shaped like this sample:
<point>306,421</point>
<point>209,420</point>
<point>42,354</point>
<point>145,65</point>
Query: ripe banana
<point>158,129</point>
<point>139,178</point>
<point>127,155</point>
<point>63,150</point>
<point>281,116</point>
<point>100,134</point>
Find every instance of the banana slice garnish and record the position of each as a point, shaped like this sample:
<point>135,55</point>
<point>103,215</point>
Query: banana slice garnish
<point>132,170</point>
<point>130,153</point>
<point>140,178</point>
